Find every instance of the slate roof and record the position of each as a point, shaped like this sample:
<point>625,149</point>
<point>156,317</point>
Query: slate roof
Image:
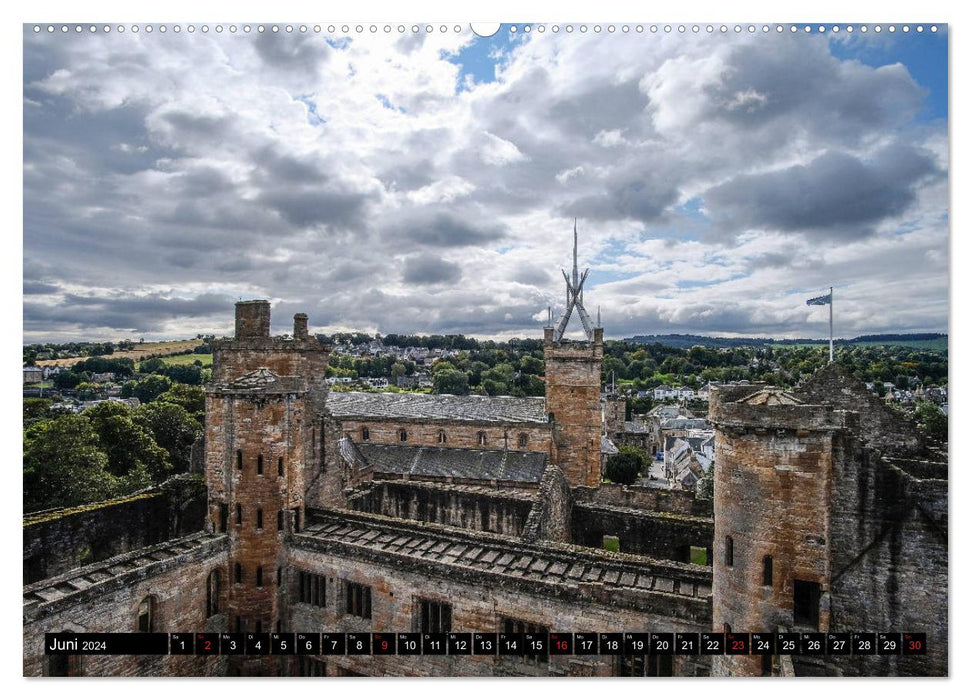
<point>486,465</point>
<point>480,553</point>
<point>472,409</point>
<point>635,427</point>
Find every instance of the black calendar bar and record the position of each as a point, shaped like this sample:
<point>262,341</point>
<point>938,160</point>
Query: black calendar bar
<point>489,643</point>
<point>60,643</point>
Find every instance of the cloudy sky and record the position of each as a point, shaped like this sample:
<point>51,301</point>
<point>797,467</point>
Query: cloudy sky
<point>416,182</point>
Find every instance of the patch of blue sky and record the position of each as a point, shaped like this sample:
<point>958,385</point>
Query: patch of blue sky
<point>692,208</point>
<point>923,53</point>
<point>313,118</point>
<point>339,44</point>
<point>477,60</point>
<point>387,104</point>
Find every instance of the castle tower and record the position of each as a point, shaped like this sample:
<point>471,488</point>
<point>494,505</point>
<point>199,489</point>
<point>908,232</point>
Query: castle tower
<point>773,478</point>
<point>573,387</point>
<point>262,449</point>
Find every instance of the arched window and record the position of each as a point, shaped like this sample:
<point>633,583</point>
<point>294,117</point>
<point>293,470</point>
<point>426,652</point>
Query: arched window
<point>213,585</point>
<point>402,435</point>
<point>146,614</point>
<point>259,577</point>
<point>239,459</point>
<point>259,518</point>
<point>365,434</point>
<point>523,439</point>
<point>729,551</point>
<point>441,437</point>
<point>259,464</point>
<point>239,514</point>
<point>767,570</point>
<point>238,573</point>
<point>279,466</point>
<point>481,438</point>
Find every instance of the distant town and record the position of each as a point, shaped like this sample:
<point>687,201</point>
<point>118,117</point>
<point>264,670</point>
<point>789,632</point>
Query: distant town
<point>654,394</point>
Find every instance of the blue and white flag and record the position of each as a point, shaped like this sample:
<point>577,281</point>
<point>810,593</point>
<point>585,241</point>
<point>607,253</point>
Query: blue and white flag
<point>820,301</point>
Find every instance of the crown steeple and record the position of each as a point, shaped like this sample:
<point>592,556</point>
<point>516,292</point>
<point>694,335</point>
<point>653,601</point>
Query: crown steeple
<point>574,297</point>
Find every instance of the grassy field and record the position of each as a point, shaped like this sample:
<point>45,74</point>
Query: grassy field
<point>141,352</point>
<point>206,359</point>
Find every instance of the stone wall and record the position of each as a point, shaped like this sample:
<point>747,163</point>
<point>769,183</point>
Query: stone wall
<point>879,425</point>
<point>657,535</point>
<point>476,604</point>
<point>471,507</point>
<point>60,540</point>
<point>551,517</point>
<point>426,433</point>
<point>890,561</point>
<point>176,585</point>
<point>642,498</point>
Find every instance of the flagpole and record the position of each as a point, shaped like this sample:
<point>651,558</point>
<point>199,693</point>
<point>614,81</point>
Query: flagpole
<point>830,324</point>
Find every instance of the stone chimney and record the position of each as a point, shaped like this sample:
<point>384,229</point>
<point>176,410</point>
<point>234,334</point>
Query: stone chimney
<point>252,319</point>
<point>300,326</point>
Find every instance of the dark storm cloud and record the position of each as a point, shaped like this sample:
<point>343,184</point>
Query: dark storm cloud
<point>801,79</point>
<point>314,207</point>
<point>40,288</point>
<point>639,198</point>
<point>146,313</point>
<point>296,53</point>
<point>836,194</point>
<point>420,269</point>
<point>442,228</point>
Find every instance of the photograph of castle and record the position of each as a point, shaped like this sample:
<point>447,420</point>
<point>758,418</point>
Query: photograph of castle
<point>443,288</point>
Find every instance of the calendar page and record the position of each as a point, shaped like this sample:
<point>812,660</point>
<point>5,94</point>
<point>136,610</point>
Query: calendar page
<point>454,349</point>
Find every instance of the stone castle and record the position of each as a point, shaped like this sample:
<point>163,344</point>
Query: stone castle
<point>361,512</point>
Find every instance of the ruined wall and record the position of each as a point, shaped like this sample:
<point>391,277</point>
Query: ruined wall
<point>773,484</point>
<point>60,540</point>
<point>573,398</point>
<point>178,586</point>
<point>879,425</point>
<point>890,560</point>
<point>458,434</point>
<point>469,507</point>
<point>641,498</point>
<point>477,604</point>
<point>551,517</point>
<point>658,535</point>
<point>614,414</point>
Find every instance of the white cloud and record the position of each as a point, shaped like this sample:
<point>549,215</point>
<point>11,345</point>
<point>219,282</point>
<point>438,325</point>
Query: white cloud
<point>347,178</point>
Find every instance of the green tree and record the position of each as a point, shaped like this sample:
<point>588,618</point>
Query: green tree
<point>931,420</point>
<point>191,398</point>
<point>451,381</point>
<point>36,410</point>
<point>500,380</point>
<point>64,464</point>
<point>131,449</point>
<point>626,466</point>
<point>172,427</point>
<point>151,387</point>
<point>66,379</point>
